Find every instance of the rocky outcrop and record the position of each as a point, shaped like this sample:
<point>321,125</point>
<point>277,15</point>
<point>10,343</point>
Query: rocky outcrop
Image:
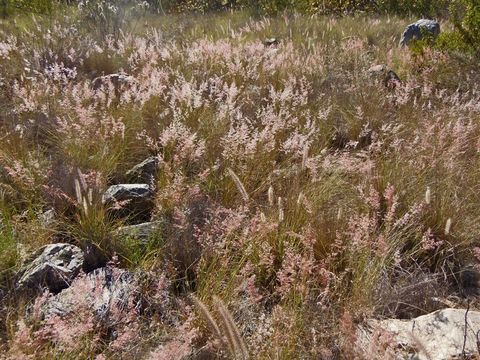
<point>441,335</point>
<point>132,200</point>
<point>53,266</point>
<point>418,30</point>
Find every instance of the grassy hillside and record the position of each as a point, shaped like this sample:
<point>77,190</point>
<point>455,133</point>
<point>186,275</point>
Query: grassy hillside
<point>300,195</point>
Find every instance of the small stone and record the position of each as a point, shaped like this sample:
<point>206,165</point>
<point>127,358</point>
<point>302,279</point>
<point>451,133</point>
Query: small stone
<point>142,232</point>
<point>391,80</point>
<point>418,30</point>
<point>271,42</point>
<point>145,171</point>
<point>469,281</point>
<point>133,200</point>
<point>54,266</point>
<point>47,218</point>
<point>387,76</point>
<point>122,192</point>
<point>117,80</point>
<point>378,69</point>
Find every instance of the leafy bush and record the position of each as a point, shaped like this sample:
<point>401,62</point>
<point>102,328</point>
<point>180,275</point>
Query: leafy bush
<point>417,7</point>
<point>35,6</point>
<point>424,8</point>
<point>465,15</point>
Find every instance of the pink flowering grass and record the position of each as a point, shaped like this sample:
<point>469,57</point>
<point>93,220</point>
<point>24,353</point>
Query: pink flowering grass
<point>297,191</point>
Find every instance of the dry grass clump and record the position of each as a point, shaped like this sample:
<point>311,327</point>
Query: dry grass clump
<point>294,187</point>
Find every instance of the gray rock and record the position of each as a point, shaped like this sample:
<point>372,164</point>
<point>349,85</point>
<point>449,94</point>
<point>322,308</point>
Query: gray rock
<point>469,280</point>
<point>391,80</point>
<point>142,232</point>
<point>382,73</point>
<point>47,218</point>
<point>102,291</point>
<point>418,30</point>
<point>133,200</point>
<point>125,192</point>
<point>94,256</point>
<point>145,171</point>
<point>54,266</point>
<point>117,80</point>
<point>378,69</point>
<point>440,335</point>
<point>271,42</point>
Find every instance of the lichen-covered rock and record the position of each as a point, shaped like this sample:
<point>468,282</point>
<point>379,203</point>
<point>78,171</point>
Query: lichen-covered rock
<point>441,335</point>
<point>418,30</point>
<point>54,266</point>
<point>132,200</point>
<point>145,171</point>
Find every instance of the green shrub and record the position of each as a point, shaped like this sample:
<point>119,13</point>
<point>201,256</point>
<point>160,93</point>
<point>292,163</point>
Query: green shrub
<point>465,37</point>
<point>33,6</point>
<point>415,7</point>
<point>465,15</point>
<point>452,41</point>
<point>424,8</point>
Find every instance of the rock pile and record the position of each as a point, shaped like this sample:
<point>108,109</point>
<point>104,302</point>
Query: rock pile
<point>55,266</point>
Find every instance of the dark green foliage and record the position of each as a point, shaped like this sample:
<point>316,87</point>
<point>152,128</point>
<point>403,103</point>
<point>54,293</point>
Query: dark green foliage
<point>465,37</point>
<point>35,6</point>
<point>432,8</point>
<point>416,7</point>
<point>423,8</point>
<point>465,15</point>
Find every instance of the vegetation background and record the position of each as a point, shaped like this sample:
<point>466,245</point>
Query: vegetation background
<point>299,195</point>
